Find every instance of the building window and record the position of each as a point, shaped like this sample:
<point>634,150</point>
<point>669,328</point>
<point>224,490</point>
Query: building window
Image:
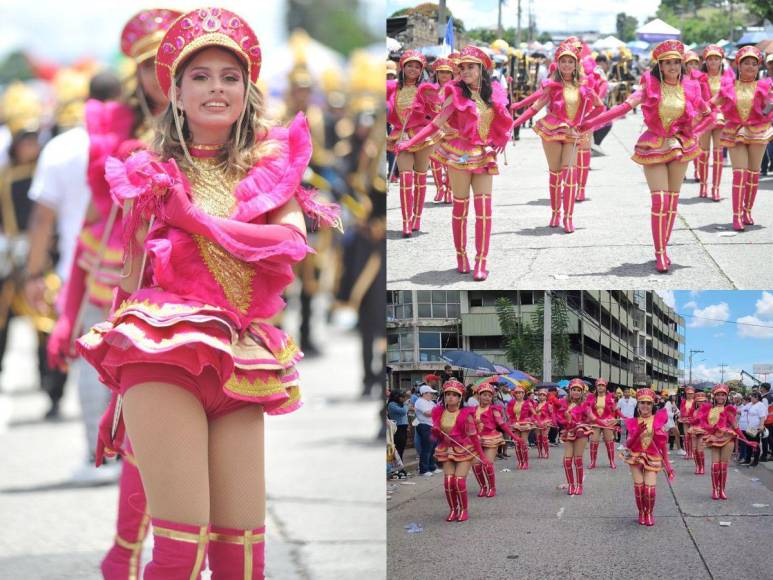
<point>438,303</point>
<point>399,305</point>
<point>485,342</point>
<point>434,342</point>
<point>400,346</point>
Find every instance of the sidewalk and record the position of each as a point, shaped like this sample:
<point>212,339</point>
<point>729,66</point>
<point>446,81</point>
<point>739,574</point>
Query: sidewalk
<point>326,516</point>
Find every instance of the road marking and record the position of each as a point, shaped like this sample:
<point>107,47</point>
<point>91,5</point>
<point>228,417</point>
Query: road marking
<point>560,513</point>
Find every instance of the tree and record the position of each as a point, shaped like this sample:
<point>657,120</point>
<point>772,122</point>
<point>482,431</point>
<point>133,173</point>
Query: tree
<point>626,27</point>
<point>430,10</point>
<point>544,37</point>
<point>761,8</point>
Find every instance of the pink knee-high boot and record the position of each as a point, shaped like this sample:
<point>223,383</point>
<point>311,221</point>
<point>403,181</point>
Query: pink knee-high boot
<point>716,173</point>
<point>594,451</point>
<point>123,559</point>
<point>583,168</point>
<point>638,493</point>
<point>461,491</point>
<point>525,455</point>
<point>659,215</point>
<point>702,165</point>
<point>545,446</point>
<point>419,193</point>
<point>739,186</point>
<point>569,473</point>
<point>611,453</point>
<point>750,194</point>
<point>554,188</point>
<point>477,470</point>
<point>722,480</point>
<point>649,496</point>
<point>406,201</point>
<point>236,554</point>
<point>449,485</point>
<point>580,475</point>
<point>179,551</point>
<point>569,179</point>
<point>482,234</point>
<point>491,478</point>
<point>715,475</point>
<point>437,177</point>
<point>459,231</point>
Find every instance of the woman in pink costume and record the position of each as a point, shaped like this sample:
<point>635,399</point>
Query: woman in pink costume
<point>603,413</point>
<point>720,431</point>
<point>745,103</point>
<point>543,421</point>
<point>520,415</point>
<point>574,418</point>
<point>714,73</point>
<point>192,363</point>
<point>455,429</point>
<point>491,423</point>
<point>571,100</point>
<point>674,113</point>
<point>697,431</point>
<point>692,65</point>
<point>476,112</point>
<point>444,73</point>
<point>647,453</point>
<point>410,103</point>
<point>686,410</point>
<point>114,129</point>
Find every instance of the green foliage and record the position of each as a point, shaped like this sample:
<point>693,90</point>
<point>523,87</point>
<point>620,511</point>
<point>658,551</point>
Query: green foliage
<point>761,8</point>
<point>429,10</point>
<point>544,37</point>
<point>705,26</point>
<point>626,27</point>
<point>334,23</point>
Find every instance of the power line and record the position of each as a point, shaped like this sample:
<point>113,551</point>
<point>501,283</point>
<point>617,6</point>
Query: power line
<point>727,321</point>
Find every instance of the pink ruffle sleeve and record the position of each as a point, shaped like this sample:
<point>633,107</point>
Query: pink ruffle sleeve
<point>757,116</point>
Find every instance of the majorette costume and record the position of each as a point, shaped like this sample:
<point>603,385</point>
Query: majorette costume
<point>710,86</point>
<point>490,422</point>
<point>719,426</point>
<point>96,271</point>
<point>647,449</point>
<point>603,412</point>
<point>697,75</point>
<point>746,107</point>
<point>569,105</point>
<point>478,129</point>
<point>697,431</point>
<point>458,440</point>
<point>674,115</point>
<point>439,170</point>
<point>520,415</point>
<point>686,409</point>
<point>574,419</point>
<point>543,419</point>
<point>409,108</point>
<point>216,270</point>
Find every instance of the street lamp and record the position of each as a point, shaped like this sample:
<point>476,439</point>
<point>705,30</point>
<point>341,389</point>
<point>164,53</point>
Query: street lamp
<point>692,352</point>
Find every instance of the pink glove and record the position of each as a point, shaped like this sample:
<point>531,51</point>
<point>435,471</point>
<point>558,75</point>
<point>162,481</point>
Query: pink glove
<point>605,118</point>
<point>525,116</point>
<point>707,121</point>
<point>532,98</point>
<point>59,346</point>
<point>425,133</point>
<point>107,445</point>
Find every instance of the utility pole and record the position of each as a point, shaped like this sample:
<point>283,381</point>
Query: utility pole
<point>547,340</point>
<point>692,352</point>
<point>499,19</point>
<point>442,20</point>
<point>722,367</point>
<point>518,28</point>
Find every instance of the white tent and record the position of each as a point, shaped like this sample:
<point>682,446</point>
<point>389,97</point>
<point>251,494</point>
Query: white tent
<point>657,30</point>
<point>608,43</point>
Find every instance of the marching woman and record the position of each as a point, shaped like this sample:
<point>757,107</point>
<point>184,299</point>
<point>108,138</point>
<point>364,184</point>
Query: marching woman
<point>543,422</point>
<point>720,430</point>
<point>213,223</point>
<point>692,68</point>
<point>490,422</point>
<point>573,416</point>
<point>455,429</point>
<point>674,113</point>
<point>603,413</point>
<point>715,73</point>
<point>444,72</point>
<point>570,100</point>
<point>647,453</point>
<point>686,410</point>
<point>697,431</point>
<point>410,103</point>
<point>521,418</point>
<point>475,109</point>
<point>745,103</point>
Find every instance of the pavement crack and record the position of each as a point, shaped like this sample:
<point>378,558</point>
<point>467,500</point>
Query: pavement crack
<point>295,545</point>
<point>683,517</point>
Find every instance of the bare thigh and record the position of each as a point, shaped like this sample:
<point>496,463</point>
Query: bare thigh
<point>636,474</point>
<point>462,468</point>
<point>676,171</point>
<point>656,176</point>
<point>568,155</point>
<point>405,161</point>
<point>168,430</point>
<point>460,182</point>
<point>756,153</point>
<point>552,154</point>
<point>421,159</point>
<point>726,452</point>
<point>739,157</point>
<point>481,183</point>
<point>650,477</point>
<point>609,434</point>
<point>579,446</point>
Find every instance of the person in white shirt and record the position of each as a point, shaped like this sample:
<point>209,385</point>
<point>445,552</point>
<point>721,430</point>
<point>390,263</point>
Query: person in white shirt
<point>757,413</point>
<point>627,407</point>
<point>743,424</point>
<point>424,405</point>
<point>673,412</point>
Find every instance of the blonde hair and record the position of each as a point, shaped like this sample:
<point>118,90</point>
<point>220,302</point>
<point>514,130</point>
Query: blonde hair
<point>247,143</point>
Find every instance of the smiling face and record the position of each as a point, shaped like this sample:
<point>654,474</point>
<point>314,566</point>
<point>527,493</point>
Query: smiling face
<point>671,69</point>
<point>567,66</point>
<point>601,389</point>
<point>645,408</point>
<point>575,394</point>
<point>470,73</point>
<point>411,70</point>
<point>212,94</point>
<point>749,68</point>
<point>692,65</point>
<point>720,398</point>
<point>443,76</point>
<point>713,64</point>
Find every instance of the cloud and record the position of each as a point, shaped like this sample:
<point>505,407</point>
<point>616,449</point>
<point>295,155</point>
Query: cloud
<point>691,305</point>
<point>753,327</point>
<point>765,306</point>
<point>718,335</point>
<point>713,374</point>
<point>668,297</point>
<point>695,293</point>
<point>712,315</point>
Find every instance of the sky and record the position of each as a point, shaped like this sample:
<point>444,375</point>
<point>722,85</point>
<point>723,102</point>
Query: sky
<point>732,327</point>
<point>554,15</point>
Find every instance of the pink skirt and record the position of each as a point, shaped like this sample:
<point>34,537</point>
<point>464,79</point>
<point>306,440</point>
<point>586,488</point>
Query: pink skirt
<point>651,149</point>
<point>644,461</point>
<point>160,329</point>
<point>460,154</point>
<point>733,135</point>
<point>575,433</point>
<point>494,440</point>
<point>395,135</point>
<point>456,453</point>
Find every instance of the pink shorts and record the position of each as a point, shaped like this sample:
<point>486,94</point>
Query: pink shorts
<point>205,387</point>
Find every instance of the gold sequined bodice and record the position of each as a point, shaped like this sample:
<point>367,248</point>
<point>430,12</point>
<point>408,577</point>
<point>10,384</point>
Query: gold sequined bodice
<point>517,409</point>
<point>714,83</point>
<point>572,100</point>
<point>744,96</point>
<point>212,190</point>
<point>714,415</point>
<point>646,431</point>
<point>601,402</point>
<point>671,105</point>
<point>448,420</point>
<point>688,405</point>
<point>485,116</point>
<point>405,97</point>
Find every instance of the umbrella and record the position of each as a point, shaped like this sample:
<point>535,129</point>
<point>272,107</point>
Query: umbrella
<point>545,385</point>
<point>502,370</point>
<point>468,360</point>
<point>517,375</point>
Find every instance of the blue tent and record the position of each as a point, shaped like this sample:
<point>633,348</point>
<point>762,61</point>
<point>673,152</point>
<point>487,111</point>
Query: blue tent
<point>755,36</point>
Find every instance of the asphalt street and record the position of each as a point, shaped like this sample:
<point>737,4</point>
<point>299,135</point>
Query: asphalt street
<point>612,245</point>
<point>326,516</point>
<point>533,530</point>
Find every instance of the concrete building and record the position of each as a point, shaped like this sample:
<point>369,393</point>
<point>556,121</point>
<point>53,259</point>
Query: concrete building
<point>632,338</point>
